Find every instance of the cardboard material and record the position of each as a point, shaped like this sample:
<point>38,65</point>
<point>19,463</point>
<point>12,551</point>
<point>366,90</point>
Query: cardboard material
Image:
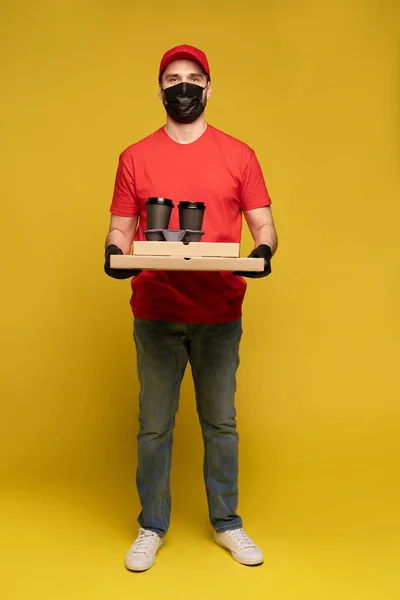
<point>178,263</point>
<point>228,250</point>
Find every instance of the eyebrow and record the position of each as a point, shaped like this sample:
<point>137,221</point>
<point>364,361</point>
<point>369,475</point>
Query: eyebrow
<point>190,75</point>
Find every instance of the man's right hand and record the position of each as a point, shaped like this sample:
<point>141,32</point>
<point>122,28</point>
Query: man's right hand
<point>117,273</point>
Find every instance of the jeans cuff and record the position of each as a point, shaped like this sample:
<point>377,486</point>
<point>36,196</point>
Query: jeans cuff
<point>238,525</point>
<point>159,532</point>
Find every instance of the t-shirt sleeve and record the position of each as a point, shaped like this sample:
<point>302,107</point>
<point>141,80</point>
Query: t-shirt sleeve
<point>124,202</point>
<point>254,193</point>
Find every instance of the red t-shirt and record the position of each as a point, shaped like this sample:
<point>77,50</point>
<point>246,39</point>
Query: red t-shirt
<point>216,169</point>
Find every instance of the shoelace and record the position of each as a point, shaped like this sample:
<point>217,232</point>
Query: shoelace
<point>241,539</point>
<point>144,542</point>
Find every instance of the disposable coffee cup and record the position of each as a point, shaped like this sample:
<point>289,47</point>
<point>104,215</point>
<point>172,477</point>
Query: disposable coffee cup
<point>158,213</point>
<point>191,215</point>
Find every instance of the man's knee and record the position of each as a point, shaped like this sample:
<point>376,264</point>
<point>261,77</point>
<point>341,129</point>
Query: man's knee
<point>155,426</point>
<point>220,421</point>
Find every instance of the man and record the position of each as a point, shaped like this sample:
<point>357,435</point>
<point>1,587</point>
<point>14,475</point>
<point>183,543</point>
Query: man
<point>189,316</point>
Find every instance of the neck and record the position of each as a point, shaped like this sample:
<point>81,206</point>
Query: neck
<point>185,134</point>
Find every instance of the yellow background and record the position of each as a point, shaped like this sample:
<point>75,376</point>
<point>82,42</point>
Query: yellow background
<point>313,87</point>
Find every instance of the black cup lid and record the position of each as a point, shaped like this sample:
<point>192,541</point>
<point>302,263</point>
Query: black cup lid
<point>185,204</point>
<point>165,201</point>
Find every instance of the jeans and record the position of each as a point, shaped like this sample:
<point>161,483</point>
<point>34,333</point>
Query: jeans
<point>163,351</point>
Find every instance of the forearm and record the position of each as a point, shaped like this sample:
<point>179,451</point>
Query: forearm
<point>266,235</point>
<point>121,232</point>
<point>120,239</point>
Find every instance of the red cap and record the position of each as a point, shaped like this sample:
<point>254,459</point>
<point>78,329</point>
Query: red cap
<point>184,52</point>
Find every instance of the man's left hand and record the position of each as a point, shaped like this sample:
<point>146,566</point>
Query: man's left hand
<point>262,251</point>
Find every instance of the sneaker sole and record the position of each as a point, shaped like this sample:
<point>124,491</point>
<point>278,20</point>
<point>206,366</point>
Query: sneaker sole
<point>138,569</point>
<point>247,564</point>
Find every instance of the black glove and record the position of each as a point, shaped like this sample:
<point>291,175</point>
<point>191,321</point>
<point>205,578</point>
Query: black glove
<point>262,251</point>
<point>117,273</point>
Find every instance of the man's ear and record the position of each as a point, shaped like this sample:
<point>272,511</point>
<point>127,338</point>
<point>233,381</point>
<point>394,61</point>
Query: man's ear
<point>160,93</point>
<point>209,90</point>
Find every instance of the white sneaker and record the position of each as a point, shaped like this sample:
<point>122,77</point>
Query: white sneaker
<point>243,549</point>
<point>142,554</point>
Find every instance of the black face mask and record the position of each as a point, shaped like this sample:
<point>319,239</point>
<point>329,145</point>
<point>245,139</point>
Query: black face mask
<point>183,102</point>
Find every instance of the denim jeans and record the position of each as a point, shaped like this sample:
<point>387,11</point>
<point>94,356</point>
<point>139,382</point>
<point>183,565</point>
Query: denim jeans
<point>163,351</point>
